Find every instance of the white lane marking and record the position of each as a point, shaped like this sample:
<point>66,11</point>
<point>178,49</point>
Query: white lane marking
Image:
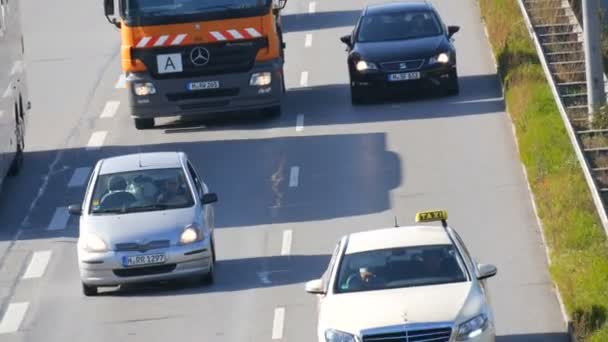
<point>79,178</point>
<point>14,315</point>
<point>110,109</point>
<point>308,40</point>
<point>60,219</point>
<point>96,140</point>
<point>161,40</point>
<point>294,174</point>
<point>300,123</point>
<point>286,246</point>
<point>312,7</point>
<point>264,277</point>
<point>179,39</point>
<point>277,324</point>
<point>304,79</point>
<point>38,264</point>
<point>490,99</point>
<point>122,82</point>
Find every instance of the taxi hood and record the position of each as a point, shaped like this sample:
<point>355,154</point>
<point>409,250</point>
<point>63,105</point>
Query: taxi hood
<point>353,312</point>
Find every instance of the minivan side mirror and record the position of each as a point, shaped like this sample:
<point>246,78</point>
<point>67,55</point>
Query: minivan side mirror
<point>75,209</point>
<point>346,39</point>
<point>209,198</point>
<point>485,271</point>
<point>315,286</point>
<point>452,30</point>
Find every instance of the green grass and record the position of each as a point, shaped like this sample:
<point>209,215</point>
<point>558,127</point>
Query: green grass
<point>574,235</point>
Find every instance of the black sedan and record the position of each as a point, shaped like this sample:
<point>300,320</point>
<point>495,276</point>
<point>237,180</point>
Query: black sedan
<point>395,46</point>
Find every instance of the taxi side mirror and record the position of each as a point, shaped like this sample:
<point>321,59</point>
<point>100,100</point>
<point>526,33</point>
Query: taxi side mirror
<point>315,286</point>
<point>485,271</point>
<point>75,209</point>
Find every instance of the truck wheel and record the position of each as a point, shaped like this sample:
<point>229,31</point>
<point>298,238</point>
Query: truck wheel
<point>18,159</point>
<point>145,123</point>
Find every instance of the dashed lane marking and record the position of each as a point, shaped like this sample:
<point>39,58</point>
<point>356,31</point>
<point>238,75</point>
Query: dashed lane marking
<point>294,176</point>
<point>287,239</point>
<point>96,140</point>
<point>300,123</point>
<point>277,324</point>
<point>60,219</point>
<point>80,176</point>
<point>14,315</point>
<point>38,264</point>
<point>110,109</point>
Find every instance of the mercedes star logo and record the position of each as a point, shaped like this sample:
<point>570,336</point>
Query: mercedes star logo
<point>200,56</point>
<point>404,316</point>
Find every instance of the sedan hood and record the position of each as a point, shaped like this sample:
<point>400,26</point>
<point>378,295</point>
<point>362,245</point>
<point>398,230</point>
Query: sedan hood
<point>400,50</point>
<point>152,225</point>
<point>354,312</point>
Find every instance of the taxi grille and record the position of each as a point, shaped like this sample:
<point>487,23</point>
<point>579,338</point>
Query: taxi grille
<point>403,65</point>
<point>421,335</point>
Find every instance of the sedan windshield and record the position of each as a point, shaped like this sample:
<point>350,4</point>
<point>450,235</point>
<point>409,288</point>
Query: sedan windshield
<point>139,191</point>
<point>400,267</point>
<point>138,8</point>
<point>398,26</point>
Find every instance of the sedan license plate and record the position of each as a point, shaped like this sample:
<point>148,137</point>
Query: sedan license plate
<point>203,85</point>
<point>139,260</point>
<point>407,76</point>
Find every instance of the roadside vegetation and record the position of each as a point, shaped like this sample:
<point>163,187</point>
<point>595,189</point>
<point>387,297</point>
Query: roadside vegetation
<point>576,240</point>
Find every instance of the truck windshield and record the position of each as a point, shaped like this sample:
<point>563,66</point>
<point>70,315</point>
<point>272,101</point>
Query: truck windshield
<point>170,8</point>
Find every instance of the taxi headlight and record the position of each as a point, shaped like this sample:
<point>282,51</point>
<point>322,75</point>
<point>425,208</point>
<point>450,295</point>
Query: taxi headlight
<point>332,335</point>
<point>93,243</point>
<point>472,328</point>
<point>260,79</point>
<point>364,66</point>
<point>442,58</point>
<point>144,89</point>
<point>190,235</point>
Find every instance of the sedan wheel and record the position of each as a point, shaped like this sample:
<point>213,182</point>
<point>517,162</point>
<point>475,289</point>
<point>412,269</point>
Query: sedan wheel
<point>356,96</point>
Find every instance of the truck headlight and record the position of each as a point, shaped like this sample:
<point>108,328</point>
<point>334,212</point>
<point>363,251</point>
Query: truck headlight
<point>332,335</point>
<point>190,235</point>
<point>442,58</point>
<point>472,328</point>
<point>260,79</point>
<point>93,243</point>
<point>364,66</point>
<point>144,89</point>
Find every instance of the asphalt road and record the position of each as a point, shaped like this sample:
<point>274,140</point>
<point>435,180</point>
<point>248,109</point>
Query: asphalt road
<point>289,187</point>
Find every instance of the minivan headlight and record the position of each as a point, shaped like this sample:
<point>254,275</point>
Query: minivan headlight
<point>472,328</point>
<point>190,235</point>
<point>93,243</point>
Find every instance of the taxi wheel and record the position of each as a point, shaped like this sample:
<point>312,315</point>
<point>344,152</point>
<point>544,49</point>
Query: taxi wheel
<point>213,250</point>
<point>145,123</point>
<point>89,290</point>
<point>209,276</point>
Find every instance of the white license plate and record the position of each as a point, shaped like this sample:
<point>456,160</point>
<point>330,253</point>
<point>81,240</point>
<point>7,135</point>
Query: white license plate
<point>169,63</point>
<point>138,260</point>
<point>203,85</point>
<point>407,76</point>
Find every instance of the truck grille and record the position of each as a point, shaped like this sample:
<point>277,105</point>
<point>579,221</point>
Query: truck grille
<point>224,57</point>
<point>403,65</point>
<point>203,94</point>
<point>418,335</point>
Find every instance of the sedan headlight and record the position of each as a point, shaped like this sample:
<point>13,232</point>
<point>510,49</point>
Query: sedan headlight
<point>332,335</point>
<point>364,66</point>
<point>442,58</point>
<point>93,243</point>
<point>190,235</point>
<point>260,79</point>
<point>144,89</point>
<point>472,328</point>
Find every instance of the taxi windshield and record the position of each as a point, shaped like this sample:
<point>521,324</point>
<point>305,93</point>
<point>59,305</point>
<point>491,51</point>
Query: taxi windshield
<point>144,8</point>
<point>398,26</point>
<point>400,267</point>
<point>141,191</point>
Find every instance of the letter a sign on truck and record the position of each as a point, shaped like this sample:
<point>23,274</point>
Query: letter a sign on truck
<point>169,63</point>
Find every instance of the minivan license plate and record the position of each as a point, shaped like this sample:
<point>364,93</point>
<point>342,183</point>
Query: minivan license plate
<point>138,260</point>
<point>407,76</point>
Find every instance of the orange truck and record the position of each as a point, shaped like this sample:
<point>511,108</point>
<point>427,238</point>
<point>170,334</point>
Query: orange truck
<point>193,57</point>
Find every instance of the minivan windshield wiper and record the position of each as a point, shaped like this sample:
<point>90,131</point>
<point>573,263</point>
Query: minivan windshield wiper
<point>150,207</point>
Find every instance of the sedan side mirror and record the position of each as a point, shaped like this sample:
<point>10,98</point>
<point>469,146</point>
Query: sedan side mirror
<point>485,271</point>
<point>452,30</point>
<point>315,286</point>
<point>75,209</point>
<point>209,198</point>
<point>346,39</point>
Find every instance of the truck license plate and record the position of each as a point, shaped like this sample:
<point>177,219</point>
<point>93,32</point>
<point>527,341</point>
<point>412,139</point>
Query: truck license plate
<point>203,85</point>
<point>139,260</point>
<point>407,76</point>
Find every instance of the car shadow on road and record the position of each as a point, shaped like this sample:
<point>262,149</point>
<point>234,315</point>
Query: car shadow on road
<point>330,105</point>
<point>536,337</point>
<point>318,21</point>
<point>237,275</point>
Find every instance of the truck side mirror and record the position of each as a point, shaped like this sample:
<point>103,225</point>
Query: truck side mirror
<point>282,4</point>
<point>108,6</point>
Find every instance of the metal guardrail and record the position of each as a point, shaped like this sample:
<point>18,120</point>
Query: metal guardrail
<point>572,134</point>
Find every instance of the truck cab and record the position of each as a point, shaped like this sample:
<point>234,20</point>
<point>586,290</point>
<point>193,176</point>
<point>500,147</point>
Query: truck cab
<point>187,57</point>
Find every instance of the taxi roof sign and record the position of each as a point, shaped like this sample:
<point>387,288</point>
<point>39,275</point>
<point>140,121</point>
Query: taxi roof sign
<point>432,216</point>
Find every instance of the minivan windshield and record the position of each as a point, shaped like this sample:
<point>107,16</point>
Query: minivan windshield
<point>400,267</point>
<point>398,26</point>
<point>141,191</point>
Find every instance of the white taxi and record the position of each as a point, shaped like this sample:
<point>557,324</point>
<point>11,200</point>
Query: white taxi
<point>404,284</point>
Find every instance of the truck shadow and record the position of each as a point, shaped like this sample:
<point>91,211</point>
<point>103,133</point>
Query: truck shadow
<point>318,21</point>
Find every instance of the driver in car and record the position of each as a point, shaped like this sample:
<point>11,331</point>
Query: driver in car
<point>365,279</point>
<point>172,192</point>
